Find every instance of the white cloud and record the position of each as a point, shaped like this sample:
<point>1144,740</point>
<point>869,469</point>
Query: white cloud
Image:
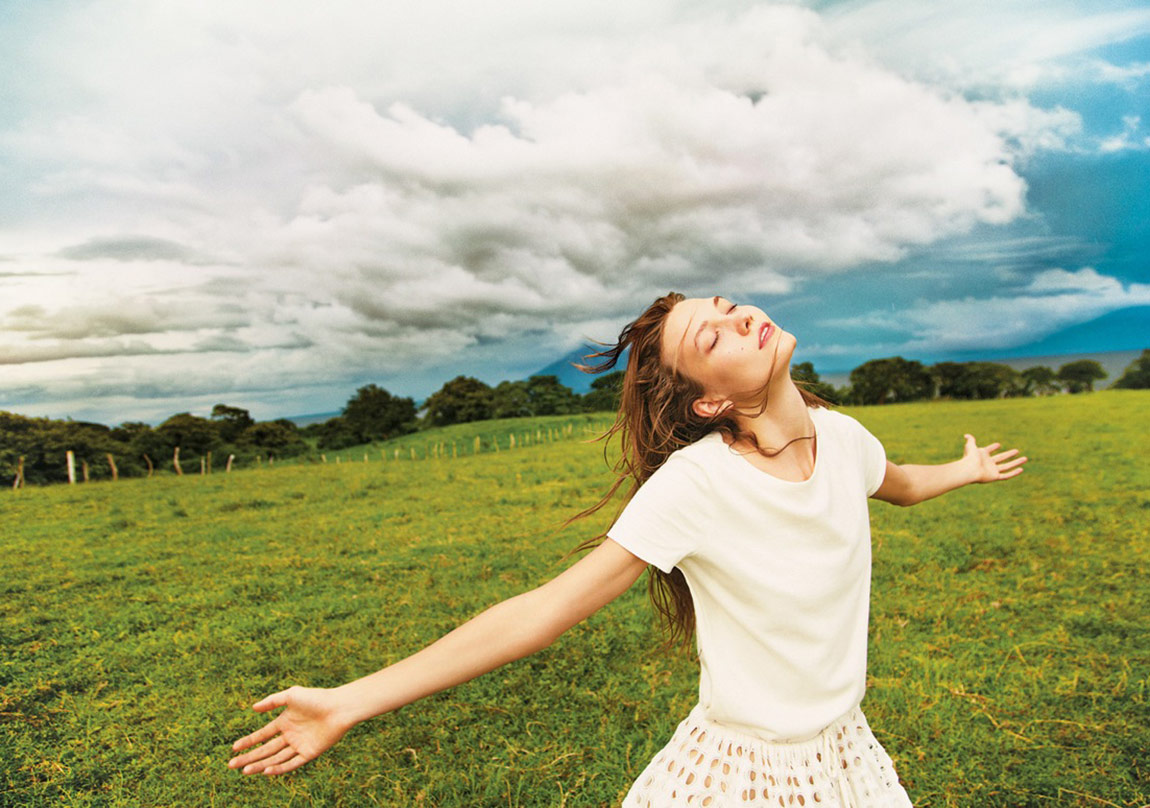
<point>1053,299</point>
<point>395,189</point>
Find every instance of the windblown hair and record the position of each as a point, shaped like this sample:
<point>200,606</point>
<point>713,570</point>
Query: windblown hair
<point>655,419</point>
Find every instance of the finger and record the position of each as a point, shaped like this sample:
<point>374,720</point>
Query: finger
<point>270,748</point>
<point>271,702</point>
<point>969,439</point>
<point>1012,464</point>
<point>262,734</point>
<point>992,447</point>
<point>279,757</point>
<point>1010,474</point>
<point>283,768</point>
<point>998,458</point>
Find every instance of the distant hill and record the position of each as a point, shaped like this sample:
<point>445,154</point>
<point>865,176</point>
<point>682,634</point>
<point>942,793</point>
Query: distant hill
<point>570,375</point>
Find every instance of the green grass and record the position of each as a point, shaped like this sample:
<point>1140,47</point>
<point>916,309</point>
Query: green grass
<point>1009,656</point>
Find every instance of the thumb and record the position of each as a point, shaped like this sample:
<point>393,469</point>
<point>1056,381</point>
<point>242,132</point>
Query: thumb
<point>970,442</point>
<point>271,702</point>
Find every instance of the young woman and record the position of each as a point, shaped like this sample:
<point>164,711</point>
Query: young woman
<point>748,502</point>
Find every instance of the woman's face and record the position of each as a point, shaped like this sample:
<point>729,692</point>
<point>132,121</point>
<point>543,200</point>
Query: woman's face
<point>731,350</point>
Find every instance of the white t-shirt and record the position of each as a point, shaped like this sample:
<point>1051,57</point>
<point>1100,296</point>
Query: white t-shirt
<point>779,573</point>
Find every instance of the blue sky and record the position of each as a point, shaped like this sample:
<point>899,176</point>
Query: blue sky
<point>207,203</point>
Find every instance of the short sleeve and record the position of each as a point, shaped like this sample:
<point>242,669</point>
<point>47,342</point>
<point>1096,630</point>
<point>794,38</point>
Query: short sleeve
<point>667,517</point>
<point>874,460</point>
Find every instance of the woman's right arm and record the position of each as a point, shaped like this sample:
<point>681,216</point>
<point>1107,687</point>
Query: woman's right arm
<point>316,718</point>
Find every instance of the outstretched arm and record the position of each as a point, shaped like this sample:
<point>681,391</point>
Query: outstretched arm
<point>316,718</point>
<point>909,484</point>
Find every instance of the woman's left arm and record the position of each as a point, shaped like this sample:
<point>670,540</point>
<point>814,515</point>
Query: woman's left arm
<point>910,485</point>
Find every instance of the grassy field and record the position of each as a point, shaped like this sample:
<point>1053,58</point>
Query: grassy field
<point>1009,656</point>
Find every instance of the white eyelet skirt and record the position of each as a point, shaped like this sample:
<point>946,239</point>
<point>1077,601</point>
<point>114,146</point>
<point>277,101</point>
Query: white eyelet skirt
<point>708,765</point>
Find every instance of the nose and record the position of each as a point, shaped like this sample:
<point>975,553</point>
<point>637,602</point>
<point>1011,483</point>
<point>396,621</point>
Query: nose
<point>743,324</point>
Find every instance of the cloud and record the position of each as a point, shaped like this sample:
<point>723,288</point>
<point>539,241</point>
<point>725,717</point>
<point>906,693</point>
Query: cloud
<point>315,198</point>
<point>133,248</point>
<point>1052,300</point>
<point>1127,139</point>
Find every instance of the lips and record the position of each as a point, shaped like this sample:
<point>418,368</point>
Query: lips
<point>765,333</point>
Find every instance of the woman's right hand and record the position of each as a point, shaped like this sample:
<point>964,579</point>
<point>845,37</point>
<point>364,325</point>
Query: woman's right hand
<point>312,722</point>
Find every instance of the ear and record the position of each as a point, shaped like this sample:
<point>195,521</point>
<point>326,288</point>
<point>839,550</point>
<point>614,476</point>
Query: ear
<point>710,407</point>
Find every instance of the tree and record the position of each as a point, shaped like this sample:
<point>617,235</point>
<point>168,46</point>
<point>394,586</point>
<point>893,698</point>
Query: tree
<point>1040,381</point>
<point>334,433</point>
<point>233,421</point>
<point>1079,377</point>
<point>1137,375</point>
<point>886,381</point>
<point>510,400</point>
<point>461,400</point>
<point>976,380</point>
<point>548,396</point>
<point>273,439</point>
<point>375,414</point>
<point>192,434</point>
<point>604,393</point>
<point>806,377</point>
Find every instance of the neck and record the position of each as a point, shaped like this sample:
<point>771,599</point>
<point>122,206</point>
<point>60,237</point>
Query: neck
<point>786,417</point>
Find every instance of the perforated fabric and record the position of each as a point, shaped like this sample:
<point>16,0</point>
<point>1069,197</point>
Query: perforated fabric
<point>707,765</point>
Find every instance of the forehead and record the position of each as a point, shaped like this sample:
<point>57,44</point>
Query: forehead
<point>680,326</point>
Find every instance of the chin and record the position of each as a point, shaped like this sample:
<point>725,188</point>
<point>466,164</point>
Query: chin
<point>786,349</point>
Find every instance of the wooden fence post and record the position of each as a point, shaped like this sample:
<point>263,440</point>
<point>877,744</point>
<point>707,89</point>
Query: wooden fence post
<point>112,463</point>
<point>151,468</point>
<point>228,470</point>
<point>176,462</point>
<point>84,469</point>
<point>71,467</point>
<point>19,481</point>
<point>209,462</point>
<point>323,457</point>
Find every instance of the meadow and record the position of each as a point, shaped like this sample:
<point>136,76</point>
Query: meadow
<point>1009,653</point>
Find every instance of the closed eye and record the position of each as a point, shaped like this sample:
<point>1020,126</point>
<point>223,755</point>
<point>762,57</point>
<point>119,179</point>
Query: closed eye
<point>715,341</point>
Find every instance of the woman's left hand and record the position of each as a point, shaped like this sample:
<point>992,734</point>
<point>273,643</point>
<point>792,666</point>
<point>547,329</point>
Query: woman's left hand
<point>987,467</point>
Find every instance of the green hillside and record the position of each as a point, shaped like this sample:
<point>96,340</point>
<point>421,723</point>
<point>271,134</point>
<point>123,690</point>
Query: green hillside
<point>1009,656</point>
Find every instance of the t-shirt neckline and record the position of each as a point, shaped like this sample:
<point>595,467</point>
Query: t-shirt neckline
<point>741,458</point>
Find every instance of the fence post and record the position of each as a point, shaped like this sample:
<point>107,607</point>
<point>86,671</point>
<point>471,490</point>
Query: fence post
<point>71,467</point>
<point>19,481</point>
<point>112,463</point>
<point>84,469</point>
<point>176,462</point>
<point>228,470</point>
<point>151,468</point>
<point>209,462</point>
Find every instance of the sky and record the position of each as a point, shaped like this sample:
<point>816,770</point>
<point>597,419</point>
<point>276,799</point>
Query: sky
<point>215,202</point>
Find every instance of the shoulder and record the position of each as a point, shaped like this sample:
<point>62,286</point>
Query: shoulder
<point>692,463</point>
<point>835,419</point>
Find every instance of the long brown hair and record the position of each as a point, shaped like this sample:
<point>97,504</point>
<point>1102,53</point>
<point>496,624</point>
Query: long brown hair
<point>655,419</point>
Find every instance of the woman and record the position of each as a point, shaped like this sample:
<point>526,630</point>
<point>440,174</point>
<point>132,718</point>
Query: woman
<point>763,552</point>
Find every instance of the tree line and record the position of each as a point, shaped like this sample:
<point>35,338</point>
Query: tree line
<point>374,414</point>
<point>894,380</point>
